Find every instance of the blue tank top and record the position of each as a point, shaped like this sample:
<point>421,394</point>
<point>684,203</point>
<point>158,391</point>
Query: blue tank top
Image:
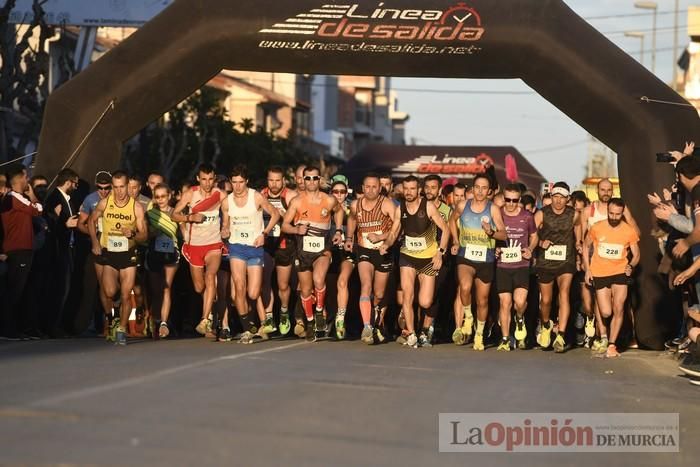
<point>474,244</point>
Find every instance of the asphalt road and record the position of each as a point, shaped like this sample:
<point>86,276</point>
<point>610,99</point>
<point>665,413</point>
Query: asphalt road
<point>193,402</point>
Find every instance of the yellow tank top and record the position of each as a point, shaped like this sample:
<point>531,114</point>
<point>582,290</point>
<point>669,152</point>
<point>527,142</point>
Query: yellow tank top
<point>113,219</point>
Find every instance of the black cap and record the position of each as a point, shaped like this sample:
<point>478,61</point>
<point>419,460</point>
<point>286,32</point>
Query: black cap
<point>103,178</point>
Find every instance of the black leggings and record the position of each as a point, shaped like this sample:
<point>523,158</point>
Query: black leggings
<point>19,263</point>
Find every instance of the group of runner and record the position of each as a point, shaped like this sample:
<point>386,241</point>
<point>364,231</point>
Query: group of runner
<point>409,240</point>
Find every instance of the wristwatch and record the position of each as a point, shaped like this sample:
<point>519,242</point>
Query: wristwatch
<point>442,251</point>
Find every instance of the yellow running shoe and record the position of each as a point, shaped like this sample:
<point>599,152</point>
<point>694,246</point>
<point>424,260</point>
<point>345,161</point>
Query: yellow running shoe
<point>504,346</point>
<point>458,337</point>
<point>559,344</point>
<point>468,324</point>
<point>520,329</point>
<point>544,338</point>
<point>478,341</point>
<point>589,328</point>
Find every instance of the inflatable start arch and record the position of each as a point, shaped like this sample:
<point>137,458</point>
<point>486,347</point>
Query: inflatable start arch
<point>542,42</point>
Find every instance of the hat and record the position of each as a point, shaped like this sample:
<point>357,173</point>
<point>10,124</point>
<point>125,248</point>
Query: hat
<point>339,178</point>
<point>103,178</point>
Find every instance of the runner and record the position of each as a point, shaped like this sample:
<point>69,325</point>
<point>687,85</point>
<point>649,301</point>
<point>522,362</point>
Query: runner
<point>420,254</point>
<point>585,315</point>
<point>598,212</point>
<point>124,224</point>
<point>342,256</point>
<point>309,217</point>
<point>432,191</point>
<point>371,219</point>
<point>279,247</point>
<point>477,224</point>
<point>559,240</point>
<point>513,266</point>
<point>203,246</point>
<point>103,185</point>
<point>609,270</point>
<point>163,256</point>
<point>243,227</point>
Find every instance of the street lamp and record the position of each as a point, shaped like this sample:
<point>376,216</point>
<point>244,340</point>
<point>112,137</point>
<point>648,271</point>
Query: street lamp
<point>650,6</point>
<point>638,35</point>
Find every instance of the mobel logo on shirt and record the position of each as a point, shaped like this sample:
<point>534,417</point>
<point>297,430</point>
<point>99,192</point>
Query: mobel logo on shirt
<point>118,216</point>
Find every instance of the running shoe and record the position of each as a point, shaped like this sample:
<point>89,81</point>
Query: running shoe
<point>320,320</point>
<point>401,340</point>
<point>269,326</point>
<point>544,338</point>
<point>163,330</point>
<point>611,352</point>
<point>285,325</point>
<point>691,369</point>
<point>589,328</point>
<point>587,342</point>
<point>299,329</point>
<point>113,330</point>
<point>120,337</point>
<point>367,335</point>
<point>458,337</point>
<point>522,345</point>
<point>695,382</point>
<point>246,338</point>
<point>378,336</point>
<point>478,342</point>
<point>423,340</point>
<point>559,344</point>
<point>678,340</point>
<point>340,327</point>
<point>468,324</point>
<point>412,340</point>
<point>225,335</point>
<point>520,329</point>
<point>504,345</point>
<point>600,345</point>
<point>203,327</point>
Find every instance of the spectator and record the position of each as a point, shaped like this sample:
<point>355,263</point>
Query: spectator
<point>63,220</point>
<point>16,212</point>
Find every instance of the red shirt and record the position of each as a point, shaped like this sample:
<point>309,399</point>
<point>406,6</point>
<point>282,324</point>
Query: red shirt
<point>16,212</point>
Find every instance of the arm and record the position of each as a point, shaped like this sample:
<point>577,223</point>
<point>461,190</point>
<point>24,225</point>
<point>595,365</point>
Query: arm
<point>274,214</point>
<point>351,226</point>
<point>177,214</point>
<point>394,234</point>
<point>225,221</point>
<point>92,226</point>
<point>680,223</point>
<point>82,222</point>
<point>287,226</point>
<point>141,234</point>
<point>338,218</point>
<point>630,219</point>
<point>587,244</point>
<point>454,229</point>
<point>578,232</point>
<point>500,232</point>
<point>684,244</point>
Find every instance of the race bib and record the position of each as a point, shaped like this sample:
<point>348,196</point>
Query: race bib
<point>117,244</point>
<point>476,253</point>
<point>277,231</point>
<point>165,244</point>
<point>511,255</point>
<point>416,243</point>
<point>243,237</point>
<point>210,217</point>
<point>368,244</point>
<point>555,253</point>
<point>314,244</point>
<point>611,250</point>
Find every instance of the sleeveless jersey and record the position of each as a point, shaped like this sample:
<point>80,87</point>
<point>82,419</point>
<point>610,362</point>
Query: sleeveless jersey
<point>595,216</point>
<point>420,233</point>
<point>474,244</point>
<point>318,218</point>
<point>114,218</point>
<point>372,221</point>
<point>246,223</point>
<point>558,229</point>
<point>209,231</point>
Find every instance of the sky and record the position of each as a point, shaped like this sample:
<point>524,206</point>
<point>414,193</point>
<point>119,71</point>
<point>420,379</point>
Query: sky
<point>539,130</point>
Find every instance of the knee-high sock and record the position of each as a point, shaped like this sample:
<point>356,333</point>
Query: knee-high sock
<point>365,310</point>
<point>307,304</point>
<point>320,298</point>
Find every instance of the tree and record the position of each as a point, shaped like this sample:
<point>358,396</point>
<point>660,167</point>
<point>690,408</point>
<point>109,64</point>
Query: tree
<point>23,80</point>
<point>198,131</point>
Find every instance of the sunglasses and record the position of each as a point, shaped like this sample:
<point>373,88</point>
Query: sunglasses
<point>340,192</point>
<point>314,178</point>
<point>512,200</point>
<point>104,188</point>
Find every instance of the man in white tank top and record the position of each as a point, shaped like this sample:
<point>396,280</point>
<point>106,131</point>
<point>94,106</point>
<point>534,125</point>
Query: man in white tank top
<point>203,246</point>
<point>244,228</point>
